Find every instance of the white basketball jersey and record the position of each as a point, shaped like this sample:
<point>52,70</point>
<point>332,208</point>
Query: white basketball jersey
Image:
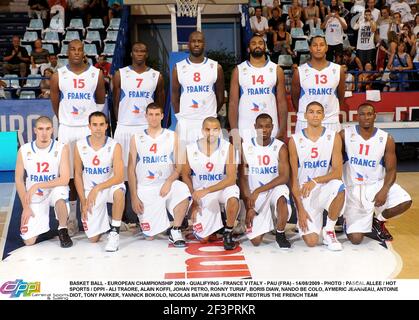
<point>137,92</point>
<point>257,94</point>
<point>97,165</point>
<point>262,161</point>
<point>155,157</point>
<point>41,165</point>
<point>207,171</point>
<point>77,95</point>
<point>364,159</point>
<point>197,80</point>
<point>320,86</point>
<point>314,158</point>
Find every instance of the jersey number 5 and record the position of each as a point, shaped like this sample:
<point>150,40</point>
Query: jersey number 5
<point>314,152</point>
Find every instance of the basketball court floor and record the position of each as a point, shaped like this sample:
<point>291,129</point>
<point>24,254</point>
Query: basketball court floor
<point>142,259</point>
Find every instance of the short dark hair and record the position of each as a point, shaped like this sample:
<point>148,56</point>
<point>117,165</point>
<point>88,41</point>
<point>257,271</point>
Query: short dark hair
<point>316,103</point>
<point>137,43</point>
<point>366,104</point>
<point>263,116</point>
<point>98,114</point>
<point>211,119</point>
<point>316,36</point>
<point>153,105</point>
<point>256,36</point>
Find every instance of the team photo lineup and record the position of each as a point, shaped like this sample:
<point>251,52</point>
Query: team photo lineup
<point>201,182</point>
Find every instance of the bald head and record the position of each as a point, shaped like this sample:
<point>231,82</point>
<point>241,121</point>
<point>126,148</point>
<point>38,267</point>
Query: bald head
<point>196,44</point>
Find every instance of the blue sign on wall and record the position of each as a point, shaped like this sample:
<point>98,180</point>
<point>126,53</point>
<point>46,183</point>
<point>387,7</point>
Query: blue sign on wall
<point>8,151</point>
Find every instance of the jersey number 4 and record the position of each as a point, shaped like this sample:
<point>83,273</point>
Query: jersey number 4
<point>153,148</point>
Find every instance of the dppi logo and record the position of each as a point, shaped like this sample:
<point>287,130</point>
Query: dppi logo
<point>18,287</point>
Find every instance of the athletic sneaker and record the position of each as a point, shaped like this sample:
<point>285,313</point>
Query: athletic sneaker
<point>329,239</point>
<point>65,240</point>
<point>176,238</point>
<point>228,241</point>
<point>379,228</point>
<point>282,240</point>
<point>113,242</point>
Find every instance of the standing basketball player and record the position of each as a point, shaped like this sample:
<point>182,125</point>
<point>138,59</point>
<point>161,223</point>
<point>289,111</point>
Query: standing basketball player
<point>134,88</point>
<point>99,177</point>
<point>210,173</point>
<point>318,80</point>
<point>369,174</point>
<point>264,174</point>
<point>197,89</point>
<point>261,84</point>
<point>316,172</point>
<point>46,165</point>
<point>77,90</point>
<point>153,172</point>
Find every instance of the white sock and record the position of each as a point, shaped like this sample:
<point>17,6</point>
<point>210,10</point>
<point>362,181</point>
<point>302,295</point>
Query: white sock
<point>72,215</point>
<point>280,231</point>
<point>116,223</point>
<point>59,228</point>
<point>380,217</point>
<point>330,224</point>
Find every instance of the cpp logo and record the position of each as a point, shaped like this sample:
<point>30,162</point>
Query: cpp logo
<point>20,287</point>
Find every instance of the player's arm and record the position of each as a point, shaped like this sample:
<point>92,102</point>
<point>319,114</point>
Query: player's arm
<point>233,105</point>
<point>342,138</point>
<point>100,90</point>
<point>231,174</point>
<point>293,162</point>
<point>281,104</point>
<point>295,89</point>
<point>19,180</point>
<point>118,170</point>
<point>55,93</point>
<point>137,205</point>
<point>175,99</point>
<point>283,169</point>
<point>341,88</point>
<point>243,170</point>
<point>343,23</point>
<point>219,87</point>
<point>390,161</point>
<point>160,96</point>
<point>21,190</point>
<point>116,92</point>
<point>78,182</point>
<point>165,189</point>
<point>186,178</point>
